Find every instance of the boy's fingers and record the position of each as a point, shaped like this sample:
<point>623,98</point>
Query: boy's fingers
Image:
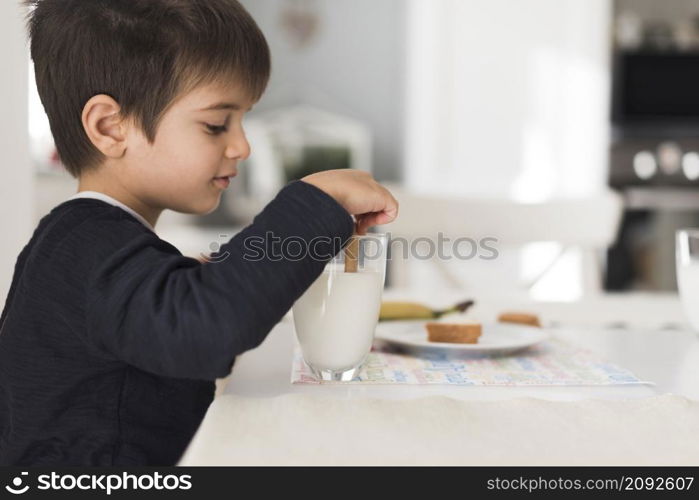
<point>381,218</point>
<point>391,209</point>
<point>389,214</point>
<point>365,221</point>
<point>387,211</point>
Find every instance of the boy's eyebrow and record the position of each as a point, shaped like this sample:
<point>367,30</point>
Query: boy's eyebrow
<point>223,105</point>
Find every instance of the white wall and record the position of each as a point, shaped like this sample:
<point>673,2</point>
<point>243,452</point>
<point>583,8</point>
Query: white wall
<point>508,98</point>
<point>355,66</point>
<point>16,174</point>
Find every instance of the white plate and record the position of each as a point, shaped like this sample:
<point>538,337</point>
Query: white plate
<point>497,338</point>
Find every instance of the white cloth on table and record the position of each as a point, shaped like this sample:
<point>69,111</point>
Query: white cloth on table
<point>300,429</point>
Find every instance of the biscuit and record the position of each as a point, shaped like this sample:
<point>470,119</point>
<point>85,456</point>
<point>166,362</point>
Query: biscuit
<point>457,333</point>
<point>520,318</point>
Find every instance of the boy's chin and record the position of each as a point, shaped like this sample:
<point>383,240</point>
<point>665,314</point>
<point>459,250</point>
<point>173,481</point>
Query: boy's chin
<point>206,209</point>
<point>200,206</point>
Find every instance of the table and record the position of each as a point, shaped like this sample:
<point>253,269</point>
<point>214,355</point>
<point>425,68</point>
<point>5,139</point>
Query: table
<point>644,333</point>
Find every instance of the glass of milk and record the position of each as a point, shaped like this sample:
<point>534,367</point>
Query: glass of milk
<point>336,317</point>
<point>687,259</point>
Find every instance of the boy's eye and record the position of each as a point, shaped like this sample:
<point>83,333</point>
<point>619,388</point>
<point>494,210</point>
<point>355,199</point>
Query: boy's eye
<point>216,129</point>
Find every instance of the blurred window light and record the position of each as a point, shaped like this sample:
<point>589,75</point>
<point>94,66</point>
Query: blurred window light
<point>41,140</point>
<point>690,165</point>
<point>508,98</point>
<point>644,164</point>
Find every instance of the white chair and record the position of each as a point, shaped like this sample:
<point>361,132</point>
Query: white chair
<point>588,225</point>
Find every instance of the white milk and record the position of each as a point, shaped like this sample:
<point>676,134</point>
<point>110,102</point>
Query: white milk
<point>336,317</point>
<point>688,284</point>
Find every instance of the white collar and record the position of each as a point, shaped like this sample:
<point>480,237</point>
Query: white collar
<point>108,199</point>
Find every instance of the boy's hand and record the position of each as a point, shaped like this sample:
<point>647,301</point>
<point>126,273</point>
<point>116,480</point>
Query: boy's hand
<point>359,194</point>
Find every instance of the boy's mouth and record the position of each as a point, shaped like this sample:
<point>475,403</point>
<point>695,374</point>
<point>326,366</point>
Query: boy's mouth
<point>224,181</point>
<point>228,176</point>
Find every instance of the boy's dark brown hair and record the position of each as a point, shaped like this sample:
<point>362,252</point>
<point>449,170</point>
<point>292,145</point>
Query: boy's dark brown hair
<point>143,53</point>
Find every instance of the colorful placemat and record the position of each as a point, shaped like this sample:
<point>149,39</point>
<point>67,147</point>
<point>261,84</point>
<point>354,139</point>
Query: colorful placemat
<point>551,363</point>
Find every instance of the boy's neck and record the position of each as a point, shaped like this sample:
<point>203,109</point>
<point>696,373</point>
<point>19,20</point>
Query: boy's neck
<point>116,191</point>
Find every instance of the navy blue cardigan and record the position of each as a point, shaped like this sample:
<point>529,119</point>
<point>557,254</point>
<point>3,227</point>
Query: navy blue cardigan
<point>110,339</point>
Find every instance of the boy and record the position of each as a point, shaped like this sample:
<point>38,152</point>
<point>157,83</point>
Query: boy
<point>110,339</point>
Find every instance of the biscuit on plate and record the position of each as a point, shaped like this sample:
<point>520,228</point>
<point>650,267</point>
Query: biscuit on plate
<point>520,318</point>
<point>456,333</point>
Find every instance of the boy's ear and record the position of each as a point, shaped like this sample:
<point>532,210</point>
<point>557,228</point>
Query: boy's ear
<point>104,125</point>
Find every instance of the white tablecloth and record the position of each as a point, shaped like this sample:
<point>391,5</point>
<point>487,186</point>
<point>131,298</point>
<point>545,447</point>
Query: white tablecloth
<point>302,429</point>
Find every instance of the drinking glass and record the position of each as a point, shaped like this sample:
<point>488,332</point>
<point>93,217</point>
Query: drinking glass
<point>687,260</point>
<point>336,317</point>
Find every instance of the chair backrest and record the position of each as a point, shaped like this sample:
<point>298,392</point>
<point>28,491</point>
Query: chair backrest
<point>590,222</point>
<point>587,225</point>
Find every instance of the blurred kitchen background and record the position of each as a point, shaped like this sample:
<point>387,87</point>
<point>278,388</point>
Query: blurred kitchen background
<point>566,129</point>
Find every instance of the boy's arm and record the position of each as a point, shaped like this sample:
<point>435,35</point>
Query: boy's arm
<point>173,316</point>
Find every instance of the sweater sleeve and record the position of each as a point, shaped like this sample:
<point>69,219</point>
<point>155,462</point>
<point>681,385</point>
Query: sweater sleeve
<point>171,315</point>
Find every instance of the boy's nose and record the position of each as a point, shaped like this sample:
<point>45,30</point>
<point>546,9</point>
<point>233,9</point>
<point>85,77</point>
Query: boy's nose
<point>239,148</point>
